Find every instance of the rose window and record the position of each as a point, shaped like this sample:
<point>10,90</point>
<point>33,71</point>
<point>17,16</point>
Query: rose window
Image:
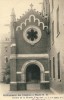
<point>32,34</point>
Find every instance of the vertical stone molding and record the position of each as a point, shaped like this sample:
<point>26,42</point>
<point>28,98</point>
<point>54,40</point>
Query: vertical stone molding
<point>23,78</point>
<point>42,77</point>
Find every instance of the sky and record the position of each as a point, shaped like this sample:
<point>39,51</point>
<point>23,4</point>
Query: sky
<point>20,7</point>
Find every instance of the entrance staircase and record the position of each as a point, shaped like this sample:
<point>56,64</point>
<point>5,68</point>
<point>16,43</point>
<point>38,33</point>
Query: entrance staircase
<point>33,86</point>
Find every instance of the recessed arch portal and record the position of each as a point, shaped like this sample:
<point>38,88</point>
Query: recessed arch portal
<point>33,73</point>
<point>38,66</point>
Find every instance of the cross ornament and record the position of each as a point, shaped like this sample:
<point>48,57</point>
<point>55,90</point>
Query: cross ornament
<point>31,5</point>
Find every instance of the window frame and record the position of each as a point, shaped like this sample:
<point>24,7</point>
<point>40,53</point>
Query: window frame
<point>58,62</point>
<point>54,67</point>
<point>58,21</point>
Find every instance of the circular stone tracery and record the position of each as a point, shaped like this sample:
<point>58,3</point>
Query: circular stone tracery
<point>32,34</point>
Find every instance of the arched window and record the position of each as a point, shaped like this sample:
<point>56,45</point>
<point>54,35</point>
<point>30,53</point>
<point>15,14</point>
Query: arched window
<point>6,59</point>
<point>6,49</point>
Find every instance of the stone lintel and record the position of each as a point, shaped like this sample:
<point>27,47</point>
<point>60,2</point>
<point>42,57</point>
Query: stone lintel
<point>25,56</point>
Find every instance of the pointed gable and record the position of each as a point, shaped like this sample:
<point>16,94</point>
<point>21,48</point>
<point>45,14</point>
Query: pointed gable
<point>31,15</point>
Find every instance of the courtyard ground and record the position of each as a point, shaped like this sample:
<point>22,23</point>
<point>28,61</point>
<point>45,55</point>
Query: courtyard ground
<point>25,95</point>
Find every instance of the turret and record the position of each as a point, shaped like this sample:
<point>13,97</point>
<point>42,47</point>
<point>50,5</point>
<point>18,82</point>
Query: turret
<point>13,52</point>
<point>13,16</point>
<point>13,20</point>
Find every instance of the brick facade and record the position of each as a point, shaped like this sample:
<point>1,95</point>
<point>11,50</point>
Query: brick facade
<point>24,54</point>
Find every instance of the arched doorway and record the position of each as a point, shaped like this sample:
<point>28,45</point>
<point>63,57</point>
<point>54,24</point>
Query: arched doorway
<point>32,73</point>
<point>27,66</point>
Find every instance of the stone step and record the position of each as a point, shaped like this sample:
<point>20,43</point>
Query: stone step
<point>33,86</point>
